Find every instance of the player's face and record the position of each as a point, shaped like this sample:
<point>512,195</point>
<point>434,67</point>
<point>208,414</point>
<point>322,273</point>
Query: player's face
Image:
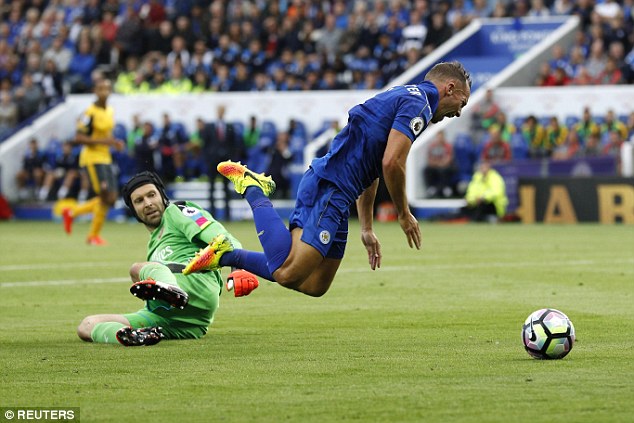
<point>103,90</point>
<point>148,204</point>
<point>455,98</point>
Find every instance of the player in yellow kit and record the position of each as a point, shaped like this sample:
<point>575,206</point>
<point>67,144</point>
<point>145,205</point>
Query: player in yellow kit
<point>94,133</point>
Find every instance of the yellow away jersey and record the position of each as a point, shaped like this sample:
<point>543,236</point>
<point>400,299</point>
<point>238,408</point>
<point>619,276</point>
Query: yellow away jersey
<point>97,123</point>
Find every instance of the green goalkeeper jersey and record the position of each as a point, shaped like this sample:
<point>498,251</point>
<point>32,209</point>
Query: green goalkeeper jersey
<point>186,228</point>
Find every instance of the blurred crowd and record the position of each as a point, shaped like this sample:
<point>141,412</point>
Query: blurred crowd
<point>602,51</point>
<point>495,139</point>
<point>50,169</point>
<point>51,48</point>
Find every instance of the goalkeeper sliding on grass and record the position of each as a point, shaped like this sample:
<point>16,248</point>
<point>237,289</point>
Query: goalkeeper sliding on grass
<point>177,306</point>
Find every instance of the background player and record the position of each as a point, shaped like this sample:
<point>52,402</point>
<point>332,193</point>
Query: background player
<point>94,132</point>
<point>376,140</point>
<point>178,306</point>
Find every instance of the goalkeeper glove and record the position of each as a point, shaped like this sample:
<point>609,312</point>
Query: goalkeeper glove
<point>241,282</point>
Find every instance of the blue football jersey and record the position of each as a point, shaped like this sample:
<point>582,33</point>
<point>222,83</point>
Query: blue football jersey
<point>354,159</point>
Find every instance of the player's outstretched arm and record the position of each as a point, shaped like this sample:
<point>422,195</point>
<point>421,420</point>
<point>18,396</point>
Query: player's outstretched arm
<point>394,161</point>
<point>365,208</point>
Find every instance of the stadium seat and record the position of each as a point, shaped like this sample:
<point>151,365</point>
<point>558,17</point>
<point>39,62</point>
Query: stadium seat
<point>544,120</point>
<point>464,155</point>
<point>518,121</point>
<point>571,121</point>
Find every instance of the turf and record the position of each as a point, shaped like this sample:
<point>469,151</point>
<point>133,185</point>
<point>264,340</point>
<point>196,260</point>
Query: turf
<point>433,336</point>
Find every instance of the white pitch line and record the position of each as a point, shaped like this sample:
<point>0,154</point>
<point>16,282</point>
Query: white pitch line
<point>52,266</point>
<point>351,270</point>
<point>61,282</point>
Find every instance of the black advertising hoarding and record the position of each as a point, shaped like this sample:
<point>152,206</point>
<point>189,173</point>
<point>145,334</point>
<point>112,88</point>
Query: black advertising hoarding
<point>572,200</point>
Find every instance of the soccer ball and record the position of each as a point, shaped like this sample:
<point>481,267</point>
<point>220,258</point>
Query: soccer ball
<point>548,334</point>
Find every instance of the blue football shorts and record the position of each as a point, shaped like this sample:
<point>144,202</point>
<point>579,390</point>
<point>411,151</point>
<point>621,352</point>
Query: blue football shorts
<point>322,211</point>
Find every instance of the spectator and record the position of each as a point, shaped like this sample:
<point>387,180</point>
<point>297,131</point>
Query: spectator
<point>582,77</point>
<point>201,82</point>
<point>484,114</point>
<point>219,142</point>
<point>61,178</point>
<point>612,123</point>
<point>128,35</point>
<point>496,150</point>
<point>613,146</point>
<point>597,59</point>
<point>280,160</point>
<point>59,54</point>
<point>534,135</point>
<point>177,82</point>
<point>328,37</point>
<point>438,33</point>
<point>145,146</point>
<point>28,97</point>
<point>486,195</point>
<point>52,83</point>
<point>569,149</point>
<point>81,66</point>
<point>611,73</point>
<point>559,78</point>
<point>179,53</point>
<point>556,134</point>
<point>586,125</point>
<point>108,27</point>
<point>241,81</point>
<point>9,113</point>
<point>200,60</point>
<point>592,147</point>
<point>135,132</point>
<point>413,35</point>
<point>507,129</point>
<point>439,169</point>
<point>30,178</point>
<point>171,146</point>
<point>545,76</point>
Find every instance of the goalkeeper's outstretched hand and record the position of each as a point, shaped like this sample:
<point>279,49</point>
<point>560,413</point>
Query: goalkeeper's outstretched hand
<point>241,282</point>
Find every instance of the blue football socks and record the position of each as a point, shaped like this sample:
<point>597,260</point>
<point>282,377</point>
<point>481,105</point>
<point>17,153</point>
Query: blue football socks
<point>273,234</point>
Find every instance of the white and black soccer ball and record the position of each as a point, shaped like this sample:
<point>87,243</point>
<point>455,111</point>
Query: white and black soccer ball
<point>548,334</point>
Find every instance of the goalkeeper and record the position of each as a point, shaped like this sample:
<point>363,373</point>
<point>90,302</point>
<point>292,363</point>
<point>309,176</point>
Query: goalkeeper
<point>177,306</point>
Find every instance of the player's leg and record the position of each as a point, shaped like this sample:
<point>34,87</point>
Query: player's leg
<point>155,281</point>
<point>102,328</point>
<point>107,192</point>
<point>318,282</point>
<point>271,229</point>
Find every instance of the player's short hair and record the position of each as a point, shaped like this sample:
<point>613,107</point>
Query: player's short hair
<point>446,70</point>
<point>138,180</point>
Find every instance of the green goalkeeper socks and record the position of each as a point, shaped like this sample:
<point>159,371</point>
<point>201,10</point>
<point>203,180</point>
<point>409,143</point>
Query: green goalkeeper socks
<point>106,333</point>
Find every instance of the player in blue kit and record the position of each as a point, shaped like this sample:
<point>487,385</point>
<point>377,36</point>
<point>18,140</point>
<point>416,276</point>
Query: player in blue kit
<point>377,139</point>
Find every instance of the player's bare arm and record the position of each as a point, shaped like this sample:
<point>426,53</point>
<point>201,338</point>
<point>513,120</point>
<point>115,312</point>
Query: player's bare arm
<point>86,140</point>
<point>365,209</point>
<point>394,163</point>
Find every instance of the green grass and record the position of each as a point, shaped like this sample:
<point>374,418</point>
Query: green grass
<point>433,336</point>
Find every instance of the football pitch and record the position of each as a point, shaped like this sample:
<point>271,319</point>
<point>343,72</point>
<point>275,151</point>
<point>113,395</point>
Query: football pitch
<point>433,336</point>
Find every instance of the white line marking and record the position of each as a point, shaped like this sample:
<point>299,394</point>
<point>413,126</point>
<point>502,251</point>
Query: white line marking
<point>62,282</point>
<point>45,266</point>
<point>464,266</point>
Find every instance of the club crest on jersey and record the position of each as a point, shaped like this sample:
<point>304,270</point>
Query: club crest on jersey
<point>416,125</point>
<point>324,237</point>
<point>189,211</point>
